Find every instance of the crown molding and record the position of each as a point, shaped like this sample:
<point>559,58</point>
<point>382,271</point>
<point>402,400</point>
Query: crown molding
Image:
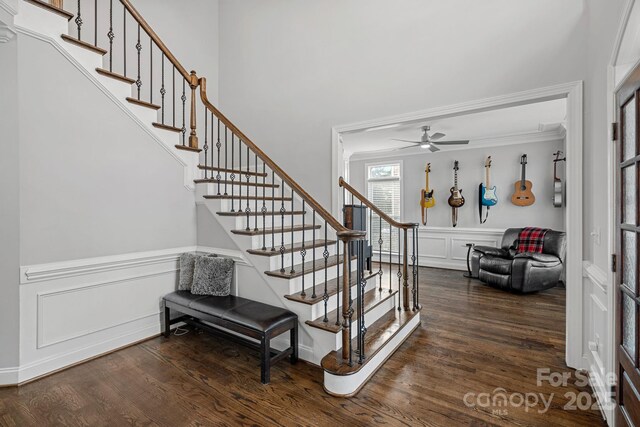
<point>496,141</point>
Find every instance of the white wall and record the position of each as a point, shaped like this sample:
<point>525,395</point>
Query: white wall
<point>290,70</point>
<point>92,182</point>
<point>9,208</point>
<point>505,171</point>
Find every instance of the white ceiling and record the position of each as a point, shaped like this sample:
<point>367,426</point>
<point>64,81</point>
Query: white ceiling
<point>482,129</point>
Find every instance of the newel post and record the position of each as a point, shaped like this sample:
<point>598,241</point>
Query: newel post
<point>57,3</point>
<point>193,137</point>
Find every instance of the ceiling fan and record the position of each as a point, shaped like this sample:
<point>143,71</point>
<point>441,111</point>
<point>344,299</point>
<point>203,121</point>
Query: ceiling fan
<point>430,141</point>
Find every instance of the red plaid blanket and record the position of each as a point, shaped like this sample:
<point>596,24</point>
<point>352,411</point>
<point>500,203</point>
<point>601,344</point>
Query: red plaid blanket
<point>531,239</point>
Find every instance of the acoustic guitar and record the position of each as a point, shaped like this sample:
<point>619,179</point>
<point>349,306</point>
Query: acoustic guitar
<point>522,194</point>
<point>426,196</point>
<point>455,200</point>
<point>488,195</point>
<point>558,185</point>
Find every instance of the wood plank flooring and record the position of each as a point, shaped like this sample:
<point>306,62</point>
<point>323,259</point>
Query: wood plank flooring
<point>473,339</point>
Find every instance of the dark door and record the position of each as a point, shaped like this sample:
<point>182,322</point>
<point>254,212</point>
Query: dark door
<point>627,240</point>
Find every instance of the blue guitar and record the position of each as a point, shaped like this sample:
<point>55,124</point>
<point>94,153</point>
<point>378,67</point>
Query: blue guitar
<point>488,195</point>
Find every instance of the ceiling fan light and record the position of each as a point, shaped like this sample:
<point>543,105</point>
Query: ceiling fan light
<point>425,145</point>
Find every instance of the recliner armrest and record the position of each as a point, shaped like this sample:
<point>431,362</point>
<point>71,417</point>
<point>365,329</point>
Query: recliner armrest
<point>538,257</point>
<point>491,251</point>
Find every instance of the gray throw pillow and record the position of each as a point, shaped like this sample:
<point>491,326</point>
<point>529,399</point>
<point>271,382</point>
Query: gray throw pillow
<point>212,276</point>
<point>187,264</point>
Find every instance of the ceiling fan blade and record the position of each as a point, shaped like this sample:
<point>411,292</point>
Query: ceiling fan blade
<point>461,142</point>
<point>404,148</point>
<point>437,135</point>
<point>433,148</point>
<point>405,140</point>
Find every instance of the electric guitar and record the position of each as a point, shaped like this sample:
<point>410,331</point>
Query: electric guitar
<point>455,200</point>
<point>558,186</point>
<point>426,196</point>
<point>522,195</point>
<point>488,195</point>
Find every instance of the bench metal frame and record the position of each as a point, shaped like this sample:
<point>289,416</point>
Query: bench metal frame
<point>221,327</point>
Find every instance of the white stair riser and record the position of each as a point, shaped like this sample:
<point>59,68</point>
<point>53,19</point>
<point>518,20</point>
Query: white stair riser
<point>347,385</point>
<point>41,21</point>
<point>256,242</point>
<point>211,188</point>
<point>241,221</point>
<point>295,285</point>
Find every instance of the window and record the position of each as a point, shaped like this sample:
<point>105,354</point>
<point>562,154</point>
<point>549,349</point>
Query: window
<point>384,191</point>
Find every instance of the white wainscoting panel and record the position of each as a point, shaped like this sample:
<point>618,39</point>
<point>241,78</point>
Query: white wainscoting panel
<point>598,337</point>
<point>76,310</point>
<point>445,247</point>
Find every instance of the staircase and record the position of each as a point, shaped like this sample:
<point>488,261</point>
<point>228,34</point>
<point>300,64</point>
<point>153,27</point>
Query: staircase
<point>353,314</point>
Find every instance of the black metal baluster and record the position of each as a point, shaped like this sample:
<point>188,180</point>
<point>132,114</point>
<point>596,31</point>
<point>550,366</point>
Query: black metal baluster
<point>390,261</point>
<point>413,265</point>
<point>264,207</point>
<point>206,144</point>
<point>139,49</point>
<point>184,112</point>
<point>380,242</point>
<point>313,279</point>
<point>282,247</point>
<point>163,91</point>
<point>233,175</point>
<point>239,175</point>
<point>273,212</point>
<point>173,110</point>
<point>111,35</point>
<point>95,23</point>
<point>363,326</point>
<point>212,139</point>
<point>255,222</point>
<point>338,283</point>
<point>226,135</point>
<point>292,231</point>
<point>78,21</point>
<point>124,39</point>
<point>218,145</point>
<point>303,251</point>
<point>248,177</point>
<point>358,248</point>
<point>325,254</point>
<point>151,77</point>
<point>399,274</point>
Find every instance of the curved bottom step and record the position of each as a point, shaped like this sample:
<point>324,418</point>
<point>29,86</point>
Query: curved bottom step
<point>343,380</point>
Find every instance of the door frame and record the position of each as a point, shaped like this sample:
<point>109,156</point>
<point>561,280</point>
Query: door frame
<point>573,92</point>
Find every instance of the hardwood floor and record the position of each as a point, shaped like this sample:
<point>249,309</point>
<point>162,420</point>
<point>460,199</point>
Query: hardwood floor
<point>473,339</point>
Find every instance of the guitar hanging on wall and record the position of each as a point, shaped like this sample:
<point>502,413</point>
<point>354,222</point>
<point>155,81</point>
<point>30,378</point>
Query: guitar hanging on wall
<point>486,192</point>
<point>455,200</point>
<point>522,195</point>
<point>558,185</point>
<point>426,196</point>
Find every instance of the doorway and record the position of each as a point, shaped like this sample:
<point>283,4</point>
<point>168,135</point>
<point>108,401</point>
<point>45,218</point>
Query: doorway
<point>572,92</point>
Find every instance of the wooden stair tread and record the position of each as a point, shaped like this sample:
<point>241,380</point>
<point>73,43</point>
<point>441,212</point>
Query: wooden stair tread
<point>116,76</point>
<point>243,183</point>
<point>372,298</point>
<point>84,44</point>
<point>187,148</point>
<point>378,334</point>
<point>296,248</point>
<point>142,103</point>
<point>235,171</point>
<point>268,213</point>
<point>51,8</point>
<point>332,288</point>
<point>276,230</point>
<point>237,197</point>
<point>166,127</point>
<point>332,261</point>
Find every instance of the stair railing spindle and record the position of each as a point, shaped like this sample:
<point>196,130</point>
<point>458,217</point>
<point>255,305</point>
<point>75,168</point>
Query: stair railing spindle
<point>151,75</point>
<point>264,207</point>
<point>338,284</point>
<point>139,49</point>
<point>273,211</point>
<point>226,140</point>
<point>313,279</point>
<point>95,23</point>
<point>218,146</point>
<point>240,178</point>
<point>303,251</point>
<point>233,175</point>
<point>380,242</point>
<point>163,92</point>
<point>282,247</point>
<point>78,21</point>
<point>292,232</point>
<point>418,267</point>
<point>255,222</point>
<point>414,271</point>
<point>183,130</point>
<point>206,145</point>
<point>325,255</point>
<point>399,274</point>
<point>111,35</point>
<point>359,319</point>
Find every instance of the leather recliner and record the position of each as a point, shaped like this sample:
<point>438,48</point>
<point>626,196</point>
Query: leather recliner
<point>525,272</point>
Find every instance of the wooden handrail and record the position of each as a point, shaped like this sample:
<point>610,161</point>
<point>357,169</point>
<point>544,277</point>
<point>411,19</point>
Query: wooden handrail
<point>343,232</point>
<point>364,200</point>
<point>147,28</point>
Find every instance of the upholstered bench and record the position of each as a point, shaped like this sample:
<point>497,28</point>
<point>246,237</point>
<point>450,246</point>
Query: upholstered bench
<point>240,315</point>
